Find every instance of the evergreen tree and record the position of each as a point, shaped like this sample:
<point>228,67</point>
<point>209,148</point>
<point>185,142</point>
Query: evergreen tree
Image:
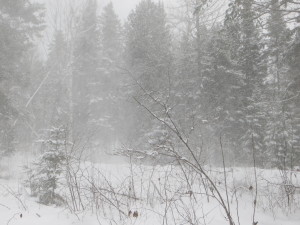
<point>249,118</point>
<point>277,133</point>
<point>109,108</point>
<point>45,173</point>
<point>19,22</point>
<point>85,71</point>
<point>197,91</point>
<point>205,82</point>
<point>6,121</point>
<point>51,103</point>
<point>111,35</point>
<point>220,92</point>
<point>292,99</point>
<point>58,65</point>
<point>186,90</point>
<point>148,56</point>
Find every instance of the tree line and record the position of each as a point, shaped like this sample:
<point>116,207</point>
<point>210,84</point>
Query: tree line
<point>232,78</point>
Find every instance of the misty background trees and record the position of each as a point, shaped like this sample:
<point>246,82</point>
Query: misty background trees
<point>232,74</point>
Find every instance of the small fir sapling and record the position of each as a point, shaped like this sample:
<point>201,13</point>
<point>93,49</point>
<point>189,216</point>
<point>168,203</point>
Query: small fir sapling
<point>44,175</point>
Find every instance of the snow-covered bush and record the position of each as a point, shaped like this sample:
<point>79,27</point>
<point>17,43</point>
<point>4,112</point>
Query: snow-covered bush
<point>44,175</point>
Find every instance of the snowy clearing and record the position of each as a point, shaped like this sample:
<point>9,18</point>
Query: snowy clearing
<point>162,197</point>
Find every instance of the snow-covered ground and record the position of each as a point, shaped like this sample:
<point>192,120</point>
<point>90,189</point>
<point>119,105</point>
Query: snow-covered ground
<point>160,195</point>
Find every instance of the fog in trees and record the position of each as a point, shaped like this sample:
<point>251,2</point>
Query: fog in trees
<point>202,93</point>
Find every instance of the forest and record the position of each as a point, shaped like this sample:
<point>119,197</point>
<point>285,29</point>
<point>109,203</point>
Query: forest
<point>182,112</point>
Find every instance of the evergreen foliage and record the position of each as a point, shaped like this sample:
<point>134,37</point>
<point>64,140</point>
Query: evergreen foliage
<point>148,55</point>
<point>45,173</point>
<point>85,70</point>
<point>20,22</point>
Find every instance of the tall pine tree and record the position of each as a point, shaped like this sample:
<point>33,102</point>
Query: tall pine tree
<point>277,130</point>
<point>246,53</point>
<point>148,56</point>
<point>85,72</point>
<point>110,98</point>
<point>20,21</point>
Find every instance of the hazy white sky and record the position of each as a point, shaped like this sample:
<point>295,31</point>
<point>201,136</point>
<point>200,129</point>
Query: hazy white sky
<point>122,7</point>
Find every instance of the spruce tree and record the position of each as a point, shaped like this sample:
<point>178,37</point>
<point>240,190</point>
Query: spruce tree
<point>45,173</point>
<point>85,72</point>
<point>249,118</point>
<point>186,84</point>
<point>109,103</point>
<point>292,98</point>
<point>277,132</point>
<point>148,56</point>
<point>20,21</point>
